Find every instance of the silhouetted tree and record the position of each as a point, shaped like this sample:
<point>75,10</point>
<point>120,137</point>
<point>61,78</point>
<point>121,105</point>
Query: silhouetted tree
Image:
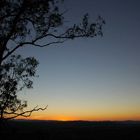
<point>17,74</point>
<point>26,23</point>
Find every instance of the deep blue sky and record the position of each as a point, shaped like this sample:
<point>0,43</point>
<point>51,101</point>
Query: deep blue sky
<point>96,78</point>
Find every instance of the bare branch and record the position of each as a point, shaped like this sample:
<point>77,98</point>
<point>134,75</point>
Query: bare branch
<point>48,44</point>
<point>33,43</point>
<point>24,114</point>
<point>10,52</point>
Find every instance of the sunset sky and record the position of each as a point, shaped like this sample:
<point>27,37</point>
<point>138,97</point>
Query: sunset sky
<point>91,79</point>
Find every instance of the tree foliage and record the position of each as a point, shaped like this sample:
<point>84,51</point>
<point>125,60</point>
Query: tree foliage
<point>28,23</point>
<point>25,22</point>
<point>17,74</point>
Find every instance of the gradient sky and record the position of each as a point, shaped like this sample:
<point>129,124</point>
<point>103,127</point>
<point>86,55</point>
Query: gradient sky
<point>91,79</point>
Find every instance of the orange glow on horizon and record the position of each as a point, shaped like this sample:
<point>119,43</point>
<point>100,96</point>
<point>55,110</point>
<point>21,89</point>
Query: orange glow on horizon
<point>87,116</point>
<point>58,118</point>
<point>94,118</point>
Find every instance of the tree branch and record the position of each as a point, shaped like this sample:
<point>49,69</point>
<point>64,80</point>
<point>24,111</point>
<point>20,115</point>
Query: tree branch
<point>24,114</point>
<point>33,43</point>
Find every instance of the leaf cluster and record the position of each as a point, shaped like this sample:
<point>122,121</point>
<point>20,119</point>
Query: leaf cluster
<point>16,74</point>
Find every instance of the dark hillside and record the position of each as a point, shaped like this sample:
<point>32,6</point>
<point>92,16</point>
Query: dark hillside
<point>71,130</point>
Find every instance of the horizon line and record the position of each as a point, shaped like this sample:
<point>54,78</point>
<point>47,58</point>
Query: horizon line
<point>77,120</point>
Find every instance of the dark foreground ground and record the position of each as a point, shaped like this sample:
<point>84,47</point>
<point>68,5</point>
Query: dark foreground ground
<point>73,130</point>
